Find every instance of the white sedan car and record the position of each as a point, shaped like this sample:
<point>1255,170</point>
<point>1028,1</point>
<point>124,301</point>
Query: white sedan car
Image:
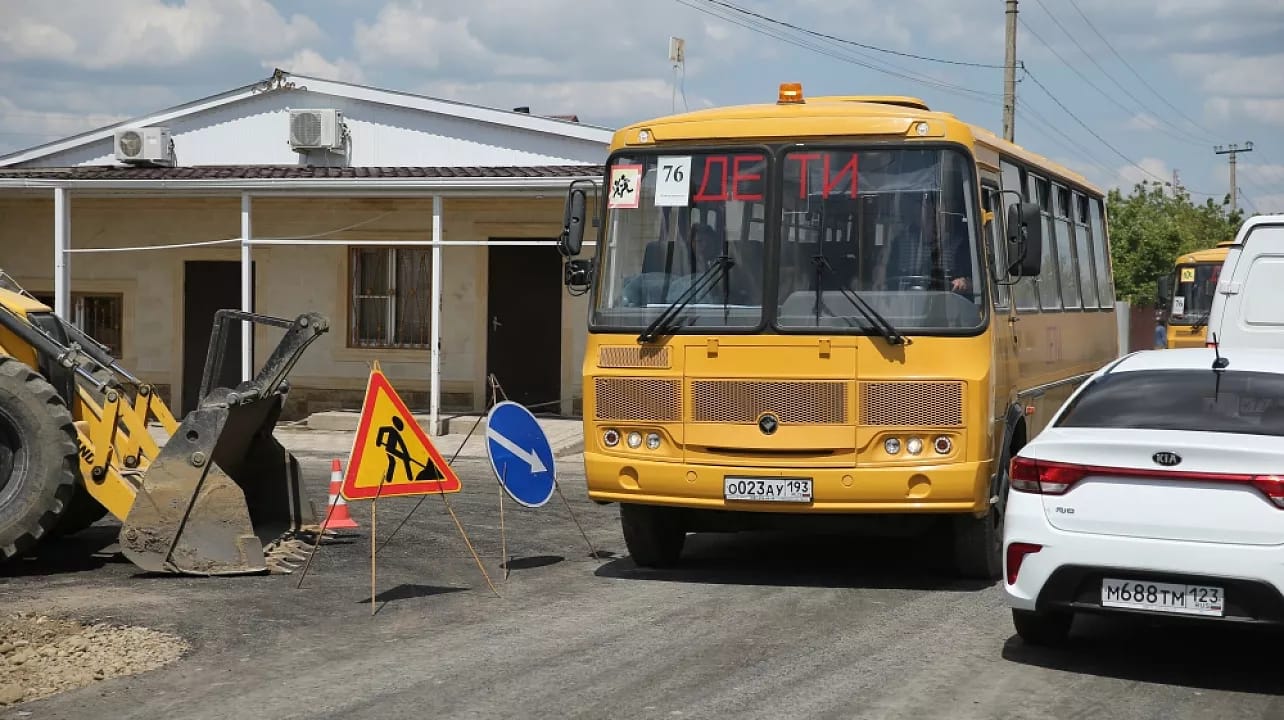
<point>1157,489</point>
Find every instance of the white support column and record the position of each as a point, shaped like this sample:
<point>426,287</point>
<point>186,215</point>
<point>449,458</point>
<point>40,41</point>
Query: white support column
<point>247,290</point>
<point>434,384</point>
<point>62,258</point>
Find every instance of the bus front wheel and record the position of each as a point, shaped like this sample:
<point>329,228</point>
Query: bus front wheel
<point>978,545</point>
<point>653,535</point>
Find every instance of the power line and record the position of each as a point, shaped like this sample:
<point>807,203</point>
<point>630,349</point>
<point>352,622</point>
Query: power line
<point>1048,129</point>
<point>1084,125</point>
<point>875,48</point>
<point>1251,174</point>
<point>1141,107</point>
<point>771,27</point>
<point>1072,67</point>
<point>1249,200</point>
<point>1257,189</point>
<point>1100,139</point>
<point>844,55</point>
<point>1136,74</point>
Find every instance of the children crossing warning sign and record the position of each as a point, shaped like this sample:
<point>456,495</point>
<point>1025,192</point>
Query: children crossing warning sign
<point>391,454</point>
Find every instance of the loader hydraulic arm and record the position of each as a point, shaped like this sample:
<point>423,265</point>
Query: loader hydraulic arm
<point>71,357</point>
<point>270,379</point>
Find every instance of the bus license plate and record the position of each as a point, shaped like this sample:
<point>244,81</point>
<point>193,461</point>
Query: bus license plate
<point>767,489</point>
<point>1163,597</point>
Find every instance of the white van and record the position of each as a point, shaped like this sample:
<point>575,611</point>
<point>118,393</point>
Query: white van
<point>1248,309</point>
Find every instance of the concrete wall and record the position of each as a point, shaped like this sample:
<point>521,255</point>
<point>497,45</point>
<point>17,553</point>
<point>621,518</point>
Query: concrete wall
<point>290,280</point>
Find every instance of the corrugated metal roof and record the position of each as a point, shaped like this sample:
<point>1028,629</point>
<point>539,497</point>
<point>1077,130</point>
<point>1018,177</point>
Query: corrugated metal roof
<point>294,172</point>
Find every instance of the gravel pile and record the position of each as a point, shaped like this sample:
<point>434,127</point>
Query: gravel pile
<point>41,655</point>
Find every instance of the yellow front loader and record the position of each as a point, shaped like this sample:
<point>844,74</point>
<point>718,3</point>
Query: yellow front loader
<point>80,436</point>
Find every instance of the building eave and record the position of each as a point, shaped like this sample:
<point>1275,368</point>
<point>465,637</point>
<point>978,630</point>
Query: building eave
<point>284,80</point>
<point>309,186</point>
<point>107,131</point>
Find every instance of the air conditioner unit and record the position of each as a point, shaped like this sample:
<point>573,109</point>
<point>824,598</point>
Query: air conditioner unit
<point>144,146</point>
<point>317,130</point>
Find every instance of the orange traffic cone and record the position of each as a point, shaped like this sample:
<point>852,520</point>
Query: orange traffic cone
<point>337,516</point>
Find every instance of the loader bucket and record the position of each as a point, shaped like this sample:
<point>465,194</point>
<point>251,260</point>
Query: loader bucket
<point>223,495</point>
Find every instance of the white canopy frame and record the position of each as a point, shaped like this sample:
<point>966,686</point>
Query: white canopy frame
<point>63,252</point>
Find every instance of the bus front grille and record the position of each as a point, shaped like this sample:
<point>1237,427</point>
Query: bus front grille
<point>646,399</point>
<point>625,356</point>
<point>814,402</point>
<point>911,404</point>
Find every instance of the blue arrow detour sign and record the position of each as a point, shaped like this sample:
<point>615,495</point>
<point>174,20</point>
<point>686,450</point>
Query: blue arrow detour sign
<point>520,454</point>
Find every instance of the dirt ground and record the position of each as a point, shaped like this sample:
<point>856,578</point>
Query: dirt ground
<point>42,655</point>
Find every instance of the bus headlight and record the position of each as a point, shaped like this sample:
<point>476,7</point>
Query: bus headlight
<point>943,445</point>
<point>914,446</point>
<point>892,446</point>
<point>634,439</point>
<point>611,438</point>
<point>653,441</point>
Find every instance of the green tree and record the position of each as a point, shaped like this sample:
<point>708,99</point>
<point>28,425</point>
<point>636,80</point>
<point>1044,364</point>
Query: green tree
<point>1151,226</point>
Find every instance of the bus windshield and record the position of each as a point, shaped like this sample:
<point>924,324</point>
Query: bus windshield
<point>894,226</point>
<point>1193,297</point>
<point>669,218</point>
<point>892,230</point>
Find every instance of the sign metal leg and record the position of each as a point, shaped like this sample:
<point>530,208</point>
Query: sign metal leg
<point>569,509</point>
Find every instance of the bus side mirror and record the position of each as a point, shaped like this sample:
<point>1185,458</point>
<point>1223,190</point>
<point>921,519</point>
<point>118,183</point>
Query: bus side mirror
<point>1165,290</point>
<point>1025,235</point>
<point>572,238</point>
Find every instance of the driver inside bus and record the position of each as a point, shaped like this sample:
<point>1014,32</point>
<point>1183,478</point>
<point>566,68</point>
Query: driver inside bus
<point>669,268</point>
<point>959,255</point>
<point>913,255</point>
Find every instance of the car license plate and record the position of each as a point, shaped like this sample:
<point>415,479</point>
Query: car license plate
<point>1163,597</point>
<point>767,489</point>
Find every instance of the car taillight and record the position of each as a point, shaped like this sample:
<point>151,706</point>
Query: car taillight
<point>1040,476</point>
<point>1017,552</point>
<point>1272,486</point>
<point>1053,478</point>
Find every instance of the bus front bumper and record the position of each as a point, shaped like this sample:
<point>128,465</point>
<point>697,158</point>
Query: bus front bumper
<point>951,488</point>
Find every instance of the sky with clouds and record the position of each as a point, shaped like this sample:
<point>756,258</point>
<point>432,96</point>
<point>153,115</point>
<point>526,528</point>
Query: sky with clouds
<point>1120,90</point>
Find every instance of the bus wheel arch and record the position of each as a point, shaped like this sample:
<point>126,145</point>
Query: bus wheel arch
<point>978,542</point>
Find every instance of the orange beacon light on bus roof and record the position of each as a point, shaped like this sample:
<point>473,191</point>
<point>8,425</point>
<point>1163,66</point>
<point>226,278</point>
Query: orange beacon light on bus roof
<point>790,93</point>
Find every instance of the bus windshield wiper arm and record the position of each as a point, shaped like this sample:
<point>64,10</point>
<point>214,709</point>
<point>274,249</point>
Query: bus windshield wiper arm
<point>872,316</point>
<point>1199,322</point>
<point>663,322</point>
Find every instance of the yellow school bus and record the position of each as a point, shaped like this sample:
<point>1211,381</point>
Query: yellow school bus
<point>829,312</point>
<point>1187,295</point>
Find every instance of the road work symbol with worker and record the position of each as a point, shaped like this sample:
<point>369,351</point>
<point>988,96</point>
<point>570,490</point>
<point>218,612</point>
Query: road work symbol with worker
<point>391,454</point>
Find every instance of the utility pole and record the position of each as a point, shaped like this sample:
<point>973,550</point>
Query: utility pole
<point>1232,151</point>
<point>1009,73</point>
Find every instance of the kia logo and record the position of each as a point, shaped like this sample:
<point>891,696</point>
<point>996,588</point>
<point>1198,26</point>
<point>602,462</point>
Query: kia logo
<point>768,424</point>
<point>1167,459</point>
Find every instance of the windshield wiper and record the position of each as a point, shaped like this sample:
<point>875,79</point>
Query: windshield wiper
<point>664,322</point>
<point>872,316</point>
<point>1200,322</point>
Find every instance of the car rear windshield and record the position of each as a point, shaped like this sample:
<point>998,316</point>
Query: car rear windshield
<point>1199,400</point>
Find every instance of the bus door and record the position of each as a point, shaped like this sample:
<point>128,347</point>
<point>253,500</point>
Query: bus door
<point>1005,319</point>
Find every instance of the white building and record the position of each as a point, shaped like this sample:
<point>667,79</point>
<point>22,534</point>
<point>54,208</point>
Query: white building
<point>331,197</point>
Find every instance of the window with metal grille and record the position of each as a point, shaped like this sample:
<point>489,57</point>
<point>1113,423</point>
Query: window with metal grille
<point>391,295</point>
<point>98,315</point>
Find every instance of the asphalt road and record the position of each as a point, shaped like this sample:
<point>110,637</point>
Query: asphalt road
<point>753,626</point>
